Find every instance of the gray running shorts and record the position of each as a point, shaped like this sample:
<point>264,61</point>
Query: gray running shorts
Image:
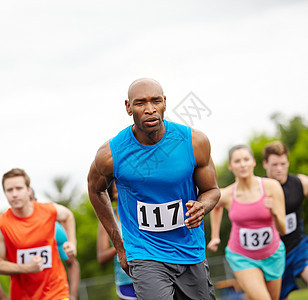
<point>155,280</point>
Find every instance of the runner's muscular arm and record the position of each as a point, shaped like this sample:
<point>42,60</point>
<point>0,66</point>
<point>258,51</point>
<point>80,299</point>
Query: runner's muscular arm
<point>304,181</point>
<point>10,268</point>
<point>277,206</point>
<point>66,218</point>
<point>99,178</point>
<point>205,179</point>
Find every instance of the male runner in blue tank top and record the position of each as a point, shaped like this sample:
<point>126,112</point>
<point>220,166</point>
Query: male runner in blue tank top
<point>157,166</point>
<point>295,188</point>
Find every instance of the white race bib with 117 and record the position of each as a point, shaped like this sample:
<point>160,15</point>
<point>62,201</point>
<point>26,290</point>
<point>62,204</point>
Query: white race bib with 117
<point>160,217</point>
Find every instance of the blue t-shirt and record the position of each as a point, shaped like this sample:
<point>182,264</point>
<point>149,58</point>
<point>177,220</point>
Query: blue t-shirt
<point>154,183</point>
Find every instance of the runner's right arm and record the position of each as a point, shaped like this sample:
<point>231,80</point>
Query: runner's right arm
<point>99,178</point>
<point>215,218</point>
<point>304,180</point>
<point>10,268</point>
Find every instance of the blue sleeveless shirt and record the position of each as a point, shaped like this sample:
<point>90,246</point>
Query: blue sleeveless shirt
<point>154,183</point>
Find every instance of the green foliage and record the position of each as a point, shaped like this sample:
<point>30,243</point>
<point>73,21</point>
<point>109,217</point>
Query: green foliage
<point>289,130</point>
<point>299,164</point>
<point>86,232</point>
<point>5,283</point>
<point>257,144</point>
<point>299,156</point>
<point>299,295</point>
<point>224,176</point>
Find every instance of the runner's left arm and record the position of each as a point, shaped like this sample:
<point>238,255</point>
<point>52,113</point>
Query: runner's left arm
<point>66,218</point>
<point>304,180</point>
<point>205,179</point>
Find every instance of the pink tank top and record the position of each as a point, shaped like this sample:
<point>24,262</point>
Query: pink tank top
<point>253,232</point>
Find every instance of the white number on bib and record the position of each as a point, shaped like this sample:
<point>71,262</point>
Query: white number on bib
<point>290,222</point>
<point>24,256</point>
<point>160,217</point>
<point>255,239</point>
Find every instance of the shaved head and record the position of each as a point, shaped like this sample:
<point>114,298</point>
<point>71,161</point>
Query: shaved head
<point>144,82</point>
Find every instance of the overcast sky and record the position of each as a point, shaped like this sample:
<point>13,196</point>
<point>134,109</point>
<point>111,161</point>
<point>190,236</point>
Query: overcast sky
<point>65,67</point>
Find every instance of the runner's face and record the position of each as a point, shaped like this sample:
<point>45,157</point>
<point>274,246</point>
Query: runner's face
<point>17,192</point>
<point>242,163</point>
<point>147,105</point>
<point>277,167</point>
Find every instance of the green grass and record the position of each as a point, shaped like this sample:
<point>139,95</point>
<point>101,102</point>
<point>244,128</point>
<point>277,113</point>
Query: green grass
<point>301,294</point>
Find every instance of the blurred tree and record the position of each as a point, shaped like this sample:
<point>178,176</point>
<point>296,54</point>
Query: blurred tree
<point>257,144</point>
<point>62,194</point>
<point>288,131</point>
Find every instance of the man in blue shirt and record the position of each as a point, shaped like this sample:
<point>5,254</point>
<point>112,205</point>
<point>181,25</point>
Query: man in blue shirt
<point>157,166</point>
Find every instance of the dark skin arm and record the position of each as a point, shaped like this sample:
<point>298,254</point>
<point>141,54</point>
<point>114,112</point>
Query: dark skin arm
<point>205,179</point>
<point>99,178</point>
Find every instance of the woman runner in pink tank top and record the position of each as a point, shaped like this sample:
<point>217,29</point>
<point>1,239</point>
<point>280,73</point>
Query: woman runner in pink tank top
<point>257,214</point>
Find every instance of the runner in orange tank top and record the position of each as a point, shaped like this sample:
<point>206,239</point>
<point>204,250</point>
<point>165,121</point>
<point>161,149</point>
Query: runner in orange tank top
<point>27,241</point>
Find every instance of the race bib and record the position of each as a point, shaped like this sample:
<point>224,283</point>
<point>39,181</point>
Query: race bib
<point>160,217</point>
<point>255,239</point>
<point>24,256</point>
<point>291,222</point>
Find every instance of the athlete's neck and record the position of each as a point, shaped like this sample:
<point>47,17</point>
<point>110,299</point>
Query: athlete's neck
<point>24,211</point>
<point>283,180</point>
<point>149,138</point>
<point>247,182</point>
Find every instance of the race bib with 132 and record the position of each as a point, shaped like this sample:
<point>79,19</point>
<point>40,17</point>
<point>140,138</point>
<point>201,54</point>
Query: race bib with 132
<point>255,239</point>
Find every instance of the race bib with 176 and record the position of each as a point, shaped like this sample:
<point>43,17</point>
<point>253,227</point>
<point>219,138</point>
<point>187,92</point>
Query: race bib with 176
<point>24,256</point>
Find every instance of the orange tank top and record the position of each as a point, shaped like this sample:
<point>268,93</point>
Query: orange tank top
<point>25,237</point>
